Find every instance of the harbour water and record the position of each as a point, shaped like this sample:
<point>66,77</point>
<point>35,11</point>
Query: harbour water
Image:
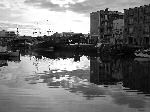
<point>74,82</point>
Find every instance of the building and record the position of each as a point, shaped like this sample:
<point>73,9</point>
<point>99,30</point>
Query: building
<point>118,29</point>
<point>2,33</point>
<point>67,34</point>
<point>64,34</point>
<point>137,25</point>
<point>7,34</point>
<point>101,24</point>
<point>94,24</point>
<point>57,35</point>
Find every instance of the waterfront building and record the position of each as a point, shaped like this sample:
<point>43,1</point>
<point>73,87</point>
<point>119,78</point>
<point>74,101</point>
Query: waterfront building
<point>101,24</point>
<point>2,33</point>
<point>64,34</point>
<point>70,37</point>
<point>118,29</point>
<point>137,25</point>
<point>7,34</point>
<point>67,34</point>
<point>94,24</point>
<point>56,34</point>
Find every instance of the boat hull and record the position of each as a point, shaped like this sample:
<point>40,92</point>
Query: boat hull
<point>9,54</point>
<point>14,54</point>
<point>116,49</point>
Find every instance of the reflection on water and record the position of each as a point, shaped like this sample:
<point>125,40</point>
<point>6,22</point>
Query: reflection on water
<point>131,73</point>
<point>129,78</point>
<point>74,82</point>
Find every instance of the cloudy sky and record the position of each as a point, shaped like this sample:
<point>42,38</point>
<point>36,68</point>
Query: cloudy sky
<point>56,15</point>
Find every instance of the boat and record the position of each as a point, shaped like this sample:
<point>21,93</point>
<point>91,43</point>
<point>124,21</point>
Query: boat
<point>143,53</point>
<point>3,63</point>
<point>9,54</point>
<point>4,53</point>
<point>20,43</point>
<point>45,46</point>
<point>14,53</point>
<point>114,50</point>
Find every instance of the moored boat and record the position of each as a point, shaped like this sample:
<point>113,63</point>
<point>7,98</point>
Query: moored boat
<point>3,63</point>
<point>117,49</point>
<point>143,53</point>
<point>14,53</point>
<point>4,53</point>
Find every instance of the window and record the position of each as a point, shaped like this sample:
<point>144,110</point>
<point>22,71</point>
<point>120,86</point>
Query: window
<point>131,12</point>
<point>131,21</point>
<point>130,29</point>
<point>147,18</point>
<point>146,29</point>
<point>106,18</point>
<point>147,9</point>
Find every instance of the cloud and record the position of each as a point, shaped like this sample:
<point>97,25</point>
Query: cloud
<point>76,20</point>
<point>11,25</point>
<point>87,6</point>
<point>78,6</point>
<point>12,11</point>
<point>2,5</point>
<point>45,4</point>
<point>6,15</point>
<point>23,29</point>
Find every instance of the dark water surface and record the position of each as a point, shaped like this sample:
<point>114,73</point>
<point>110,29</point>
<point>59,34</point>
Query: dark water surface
<point>74,82</point>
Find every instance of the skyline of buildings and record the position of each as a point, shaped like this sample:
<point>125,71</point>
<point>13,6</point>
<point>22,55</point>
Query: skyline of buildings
<point>131,27</point>
<point>137,25</point>
<point>105,24</point>
<point>8,34</point>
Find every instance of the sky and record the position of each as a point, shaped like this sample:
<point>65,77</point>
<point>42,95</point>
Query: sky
<point>56,15</point>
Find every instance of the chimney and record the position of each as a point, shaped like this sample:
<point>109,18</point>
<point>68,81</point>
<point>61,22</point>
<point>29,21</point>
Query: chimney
<point>106,9</point>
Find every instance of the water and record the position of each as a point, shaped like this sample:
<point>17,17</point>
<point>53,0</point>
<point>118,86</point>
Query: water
<point>74,82</point>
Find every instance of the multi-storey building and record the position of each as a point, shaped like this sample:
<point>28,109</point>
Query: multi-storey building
<point>137,25</point>
<point>7,34</point>
<point>118,29</point>
<point>101,23</point>
<point>2,33</point>
<point>94,25</point>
